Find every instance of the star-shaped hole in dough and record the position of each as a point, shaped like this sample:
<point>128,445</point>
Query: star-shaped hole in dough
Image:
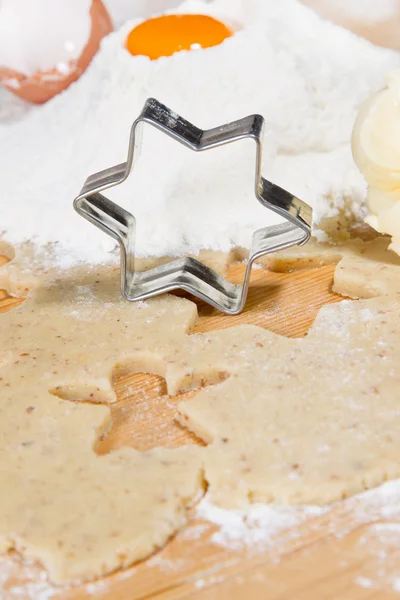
<point>296,420</point>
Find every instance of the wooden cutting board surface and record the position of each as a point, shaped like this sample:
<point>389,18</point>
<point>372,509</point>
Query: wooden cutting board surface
<point>327,558</point>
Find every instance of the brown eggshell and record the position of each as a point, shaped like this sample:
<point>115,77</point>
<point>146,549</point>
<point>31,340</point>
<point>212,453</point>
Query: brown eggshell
<point>43,85</point>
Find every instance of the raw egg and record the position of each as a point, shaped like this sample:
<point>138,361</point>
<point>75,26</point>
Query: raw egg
<point>37,65</point>
<point>165,35</point>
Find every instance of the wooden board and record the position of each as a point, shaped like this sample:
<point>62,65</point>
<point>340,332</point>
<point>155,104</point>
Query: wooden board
<point>324,559</point>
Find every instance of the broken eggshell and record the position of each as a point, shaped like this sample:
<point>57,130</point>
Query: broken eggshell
<point>44,84</point>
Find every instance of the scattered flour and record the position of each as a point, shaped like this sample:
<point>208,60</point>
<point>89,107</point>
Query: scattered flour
<point>165,564</point>
<point>363,582</point>
<point>379,550</point>
<point>97,587</point>
<point>383,501</point>
<point>32,585</point>
<point>305,75</point>
<point>195,532</point>
<point>256,527</point>
<point>123,10</point>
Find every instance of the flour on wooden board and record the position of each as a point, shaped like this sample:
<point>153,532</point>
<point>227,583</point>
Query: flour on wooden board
<point>319,74</point>
<point>380,548</point>
<point>257,528</point>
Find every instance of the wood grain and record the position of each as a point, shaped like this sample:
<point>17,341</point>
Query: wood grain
<point>316,564</point>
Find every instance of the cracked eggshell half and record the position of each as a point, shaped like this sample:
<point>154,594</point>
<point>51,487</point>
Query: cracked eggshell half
<point>41,58</point>
<point>376,150</point>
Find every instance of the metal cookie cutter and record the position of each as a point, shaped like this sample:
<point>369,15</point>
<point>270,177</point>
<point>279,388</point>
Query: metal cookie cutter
<point>188,273</point>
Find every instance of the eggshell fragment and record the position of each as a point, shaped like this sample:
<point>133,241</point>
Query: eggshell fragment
<point>43,85</point>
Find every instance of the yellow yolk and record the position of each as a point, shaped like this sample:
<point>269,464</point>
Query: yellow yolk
<point>163,36</point>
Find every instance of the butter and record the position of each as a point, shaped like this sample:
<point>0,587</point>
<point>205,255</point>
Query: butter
<point>376,150</point>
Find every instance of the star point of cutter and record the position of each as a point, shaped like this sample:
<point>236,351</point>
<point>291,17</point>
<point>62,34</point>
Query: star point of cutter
<point>188,273</point>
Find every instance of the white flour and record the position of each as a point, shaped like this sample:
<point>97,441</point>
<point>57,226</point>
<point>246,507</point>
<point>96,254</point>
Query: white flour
<point>257,527</point>
<point>123,10</point>
<point>306,76</point>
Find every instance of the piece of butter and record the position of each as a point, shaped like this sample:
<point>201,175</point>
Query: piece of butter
<point>376,150</point>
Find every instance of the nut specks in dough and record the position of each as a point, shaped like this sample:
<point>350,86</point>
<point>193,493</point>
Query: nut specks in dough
<point>294,421</point>
<point>80,514</point>
<point>306,421</point>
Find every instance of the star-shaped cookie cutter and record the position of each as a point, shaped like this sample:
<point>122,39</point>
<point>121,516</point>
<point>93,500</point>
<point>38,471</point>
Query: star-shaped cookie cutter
<point>188,273</point>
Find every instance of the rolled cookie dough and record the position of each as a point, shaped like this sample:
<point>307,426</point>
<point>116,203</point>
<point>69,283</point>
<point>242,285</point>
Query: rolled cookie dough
<point>296,421</point>
<point>311,420</point>
<point>80,514</point>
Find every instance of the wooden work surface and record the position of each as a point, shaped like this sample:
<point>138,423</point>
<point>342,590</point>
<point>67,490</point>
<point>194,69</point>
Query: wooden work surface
<point>328,558</point>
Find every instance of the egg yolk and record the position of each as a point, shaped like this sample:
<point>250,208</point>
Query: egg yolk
<point>165,35</point>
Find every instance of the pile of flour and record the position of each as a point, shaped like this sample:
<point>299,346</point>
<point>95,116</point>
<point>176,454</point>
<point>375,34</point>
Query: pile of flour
<point>306,76</point>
